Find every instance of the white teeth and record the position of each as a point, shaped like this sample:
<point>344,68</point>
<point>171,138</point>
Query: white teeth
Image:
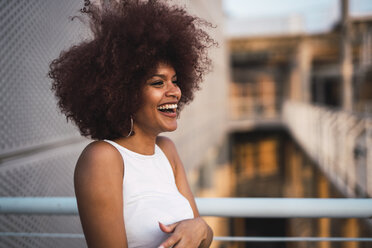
<point>168,106</point>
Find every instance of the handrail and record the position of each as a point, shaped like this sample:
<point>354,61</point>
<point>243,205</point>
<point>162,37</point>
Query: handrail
<point>223,207</point>
<point>286,207</point>
<point>218,238</point>
<point>39,205</point>
<point>338,141</point>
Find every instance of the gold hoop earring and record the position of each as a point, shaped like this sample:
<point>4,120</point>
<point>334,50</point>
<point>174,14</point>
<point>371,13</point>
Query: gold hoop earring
<point>131,127</point>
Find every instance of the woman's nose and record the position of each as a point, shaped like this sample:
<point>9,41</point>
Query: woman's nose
<point>173,91</point>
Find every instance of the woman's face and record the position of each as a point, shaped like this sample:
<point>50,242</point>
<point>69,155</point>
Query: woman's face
<point>160,98</point>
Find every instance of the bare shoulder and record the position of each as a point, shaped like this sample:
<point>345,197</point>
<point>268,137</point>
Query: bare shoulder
<point>99,160</point>
<point>166,144</point>
<point>98,182</point>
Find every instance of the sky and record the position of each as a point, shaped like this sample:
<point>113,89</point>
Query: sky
<point>315,15</point>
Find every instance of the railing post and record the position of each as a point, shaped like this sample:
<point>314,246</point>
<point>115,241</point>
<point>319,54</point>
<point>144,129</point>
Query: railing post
<point>369,155</point>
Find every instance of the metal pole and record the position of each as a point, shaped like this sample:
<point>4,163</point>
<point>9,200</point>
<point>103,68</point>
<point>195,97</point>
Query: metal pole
<point>285,207</point>
<point>346,58</point>
<point>225,207</point>
<point>38,205</point>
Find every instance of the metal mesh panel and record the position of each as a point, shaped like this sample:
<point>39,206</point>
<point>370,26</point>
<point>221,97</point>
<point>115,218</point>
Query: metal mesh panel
<point>49,173</point>
<point>33,33</point>
<point>9,242</point>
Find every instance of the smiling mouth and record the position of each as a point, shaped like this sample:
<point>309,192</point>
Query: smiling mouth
<point>168,108</point>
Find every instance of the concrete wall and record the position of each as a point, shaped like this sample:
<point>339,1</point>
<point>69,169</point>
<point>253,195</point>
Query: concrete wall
<point>202,124</point>
<point>38,149</point>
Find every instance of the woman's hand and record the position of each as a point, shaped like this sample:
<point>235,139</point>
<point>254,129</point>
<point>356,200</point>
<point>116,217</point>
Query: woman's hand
<point>188,233</point>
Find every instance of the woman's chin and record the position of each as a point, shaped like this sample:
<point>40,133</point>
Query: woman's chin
<point>170,128</point>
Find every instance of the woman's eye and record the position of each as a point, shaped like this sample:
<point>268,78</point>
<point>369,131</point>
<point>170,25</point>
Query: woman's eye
<point>175,82</point>
<point>157,83</point>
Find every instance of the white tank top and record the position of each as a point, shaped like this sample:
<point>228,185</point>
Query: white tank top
<point>150,195</point>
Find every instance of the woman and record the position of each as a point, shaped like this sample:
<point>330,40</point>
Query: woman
<point>123,88</point>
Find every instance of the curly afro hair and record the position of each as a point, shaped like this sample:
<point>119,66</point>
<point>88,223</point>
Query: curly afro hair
<point>98,83</point>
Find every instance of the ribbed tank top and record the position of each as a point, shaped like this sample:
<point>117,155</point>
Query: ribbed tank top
<point>150,195</point>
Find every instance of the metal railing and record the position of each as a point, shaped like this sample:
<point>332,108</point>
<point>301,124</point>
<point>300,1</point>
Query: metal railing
<point>222,207</point>
<point>339,141</point>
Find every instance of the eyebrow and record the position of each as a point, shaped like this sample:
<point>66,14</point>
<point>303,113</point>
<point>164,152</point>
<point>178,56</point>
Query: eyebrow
<point>162,75</point>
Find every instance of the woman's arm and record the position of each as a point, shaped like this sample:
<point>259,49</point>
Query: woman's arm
<point>98,183</point>
<point>197,228</point>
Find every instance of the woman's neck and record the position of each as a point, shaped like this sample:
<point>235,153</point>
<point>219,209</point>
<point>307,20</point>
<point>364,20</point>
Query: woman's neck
<point>140,142</point>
